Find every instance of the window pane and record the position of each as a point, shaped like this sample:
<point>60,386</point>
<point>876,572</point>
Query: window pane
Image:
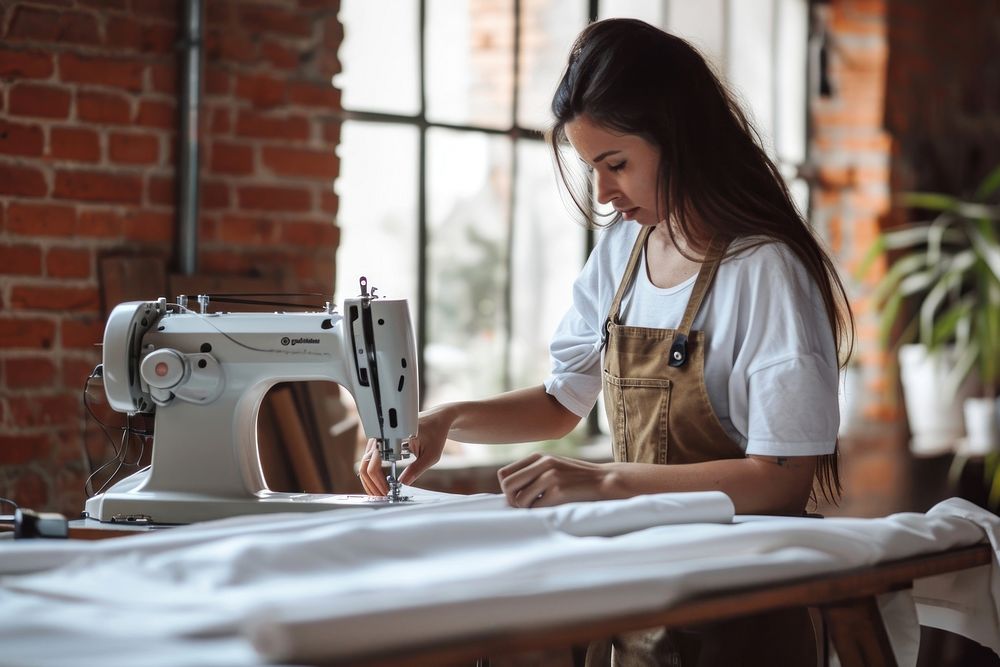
<point>470,62</point>
<point>378,210</point>
<point>547,32</point>
<point>790,110</point>
<point>549,249</point>
<point>750,67</point>
<point>703,23</point>
<point>650,11</point>
<point>379,56</point>
<point>468,204</point>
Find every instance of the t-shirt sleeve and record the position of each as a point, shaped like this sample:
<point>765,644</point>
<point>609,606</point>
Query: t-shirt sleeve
<point>786,372</point>
<point>793,409</point>
<point>575,349</point>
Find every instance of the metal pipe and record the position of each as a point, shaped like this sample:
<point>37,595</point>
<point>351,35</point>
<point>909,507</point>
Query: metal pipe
<point>187,167</point>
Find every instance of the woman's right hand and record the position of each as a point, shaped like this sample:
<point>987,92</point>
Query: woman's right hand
<point>425,447</point>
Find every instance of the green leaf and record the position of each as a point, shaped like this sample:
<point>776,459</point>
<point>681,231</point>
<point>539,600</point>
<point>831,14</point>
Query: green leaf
<point>963,366</point>
<point>989,252</point>
<point>951,277</point>
<point>989,185</point>
<point>949,321</point>
<point>932,201</point>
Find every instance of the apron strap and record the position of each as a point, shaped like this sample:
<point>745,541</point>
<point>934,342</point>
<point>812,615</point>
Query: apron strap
<point>633,261</point>
<point>679,351</point>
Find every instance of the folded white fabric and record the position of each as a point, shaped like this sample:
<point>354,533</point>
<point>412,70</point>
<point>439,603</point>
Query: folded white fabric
<point>317,587</point>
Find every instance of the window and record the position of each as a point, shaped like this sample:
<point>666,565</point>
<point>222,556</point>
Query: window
<point>447,193</point>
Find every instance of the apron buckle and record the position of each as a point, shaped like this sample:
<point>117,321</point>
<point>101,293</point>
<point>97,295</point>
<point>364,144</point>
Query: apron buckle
<point>605,333</point>
<point>678,351</point>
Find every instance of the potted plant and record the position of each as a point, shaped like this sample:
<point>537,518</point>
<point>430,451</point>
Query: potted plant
<point>940,299</point>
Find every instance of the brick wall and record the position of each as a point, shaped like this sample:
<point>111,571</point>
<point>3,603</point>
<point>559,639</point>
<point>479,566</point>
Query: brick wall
<point>88,117</point>
<point>914,106</point>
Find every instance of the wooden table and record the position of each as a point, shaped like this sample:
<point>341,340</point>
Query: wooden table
<point>845,600</point>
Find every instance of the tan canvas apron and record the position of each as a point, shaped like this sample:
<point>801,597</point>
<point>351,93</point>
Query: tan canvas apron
<point>659,412</point>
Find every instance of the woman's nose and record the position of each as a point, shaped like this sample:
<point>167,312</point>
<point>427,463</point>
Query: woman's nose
<point>604,188</point>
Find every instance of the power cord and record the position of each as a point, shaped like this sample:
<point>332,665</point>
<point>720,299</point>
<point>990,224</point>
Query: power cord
<point>27,523</point>
<point>121,439</point>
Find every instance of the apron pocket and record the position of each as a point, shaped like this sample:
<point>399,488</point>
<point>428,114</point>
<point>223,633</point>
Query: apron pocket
<point>638,410</point>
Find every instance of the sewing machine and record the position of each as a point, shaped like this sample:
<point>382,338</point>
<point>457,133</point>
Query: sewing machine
<point>204,376</point>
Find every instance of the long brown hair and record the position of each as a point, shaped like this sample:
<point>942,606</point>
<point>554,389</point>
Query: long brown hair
<point>715,178</point>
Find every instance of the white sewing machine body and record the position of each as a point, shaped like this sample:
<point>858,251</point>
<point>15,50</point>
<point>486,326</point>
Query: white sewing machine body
<point>205,376</point>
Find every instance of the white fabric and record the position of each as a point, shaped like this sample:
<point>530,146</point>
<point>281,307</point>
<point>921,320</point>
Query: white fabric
<point>770,364</point>
<point>334,585</point>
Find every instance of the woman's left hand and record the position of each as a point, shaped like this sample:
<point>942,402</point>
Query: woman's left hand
<point>543,480</point>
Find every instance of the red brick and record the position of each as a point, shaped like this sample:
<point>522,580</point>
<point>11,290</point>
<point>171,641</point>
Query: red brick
<point>74,143</point>
<point>251,231</point>
<point>25,64</point>
<point>301,162</point>
<point>68,263</point>
<point>39,100</point>
<point>227,262</point>
<point>313,234</point>
<point>149,226</point>
<point>157,114</point>
<point>218,12</point>
<point>100,223</point>
<point>81,334</point>
<point>163,9</point>
<point>268,198</point>
<point>279,56</point>
<point>74,372</point>
<point>98,186</point>
<point>230,47</point>
<point>26,333</point>
<point>262,91</point>
<point>123,33</point>
<point>39,25</point>
<point>228,158</point>
<point>98,107</point>
<point>29,372</point>
<point>329,5</point>
<point>30,490</point>
<point>30,297</point>
<point>116,72</point>
<point>163,77</point>
<point>333,34</point>
<point>162,190</point>
<point>217,82</point>
<point>221,122</point>
<point>19,450</point>
<point>329,202</point>
<point>331,132</point>
<point>274,20</point>
<point>23,181</point>
<point>104,4</point>
<point>133,148</point>
<point>16,139</point>
<point>40,219</point>
<point>159,38</point>
<point>54,410</point>
<point>22,260</point>
<point>265,126</point>
<point>214,194</point>
<point>314,95</point>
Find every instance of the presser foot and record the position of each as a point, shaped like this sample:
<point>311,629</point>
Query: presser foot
<point>394,495</point>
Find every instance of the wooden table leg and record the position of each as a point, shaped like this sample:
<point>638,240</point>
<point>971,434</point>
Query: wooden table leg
<point>858,634</point>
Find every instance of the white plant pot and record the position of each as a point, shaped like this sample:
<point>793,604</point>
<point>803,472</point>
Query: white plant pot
<point>936,421</point>
<point>981,427</point>
<point>850,395</point>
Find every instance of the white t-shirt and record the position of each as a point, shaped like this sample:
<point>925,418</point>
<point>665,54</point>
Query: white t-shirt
<point>770,363</point>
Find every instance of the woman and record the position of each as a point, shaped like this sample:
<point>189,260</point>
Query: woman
<point>707,313</point>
